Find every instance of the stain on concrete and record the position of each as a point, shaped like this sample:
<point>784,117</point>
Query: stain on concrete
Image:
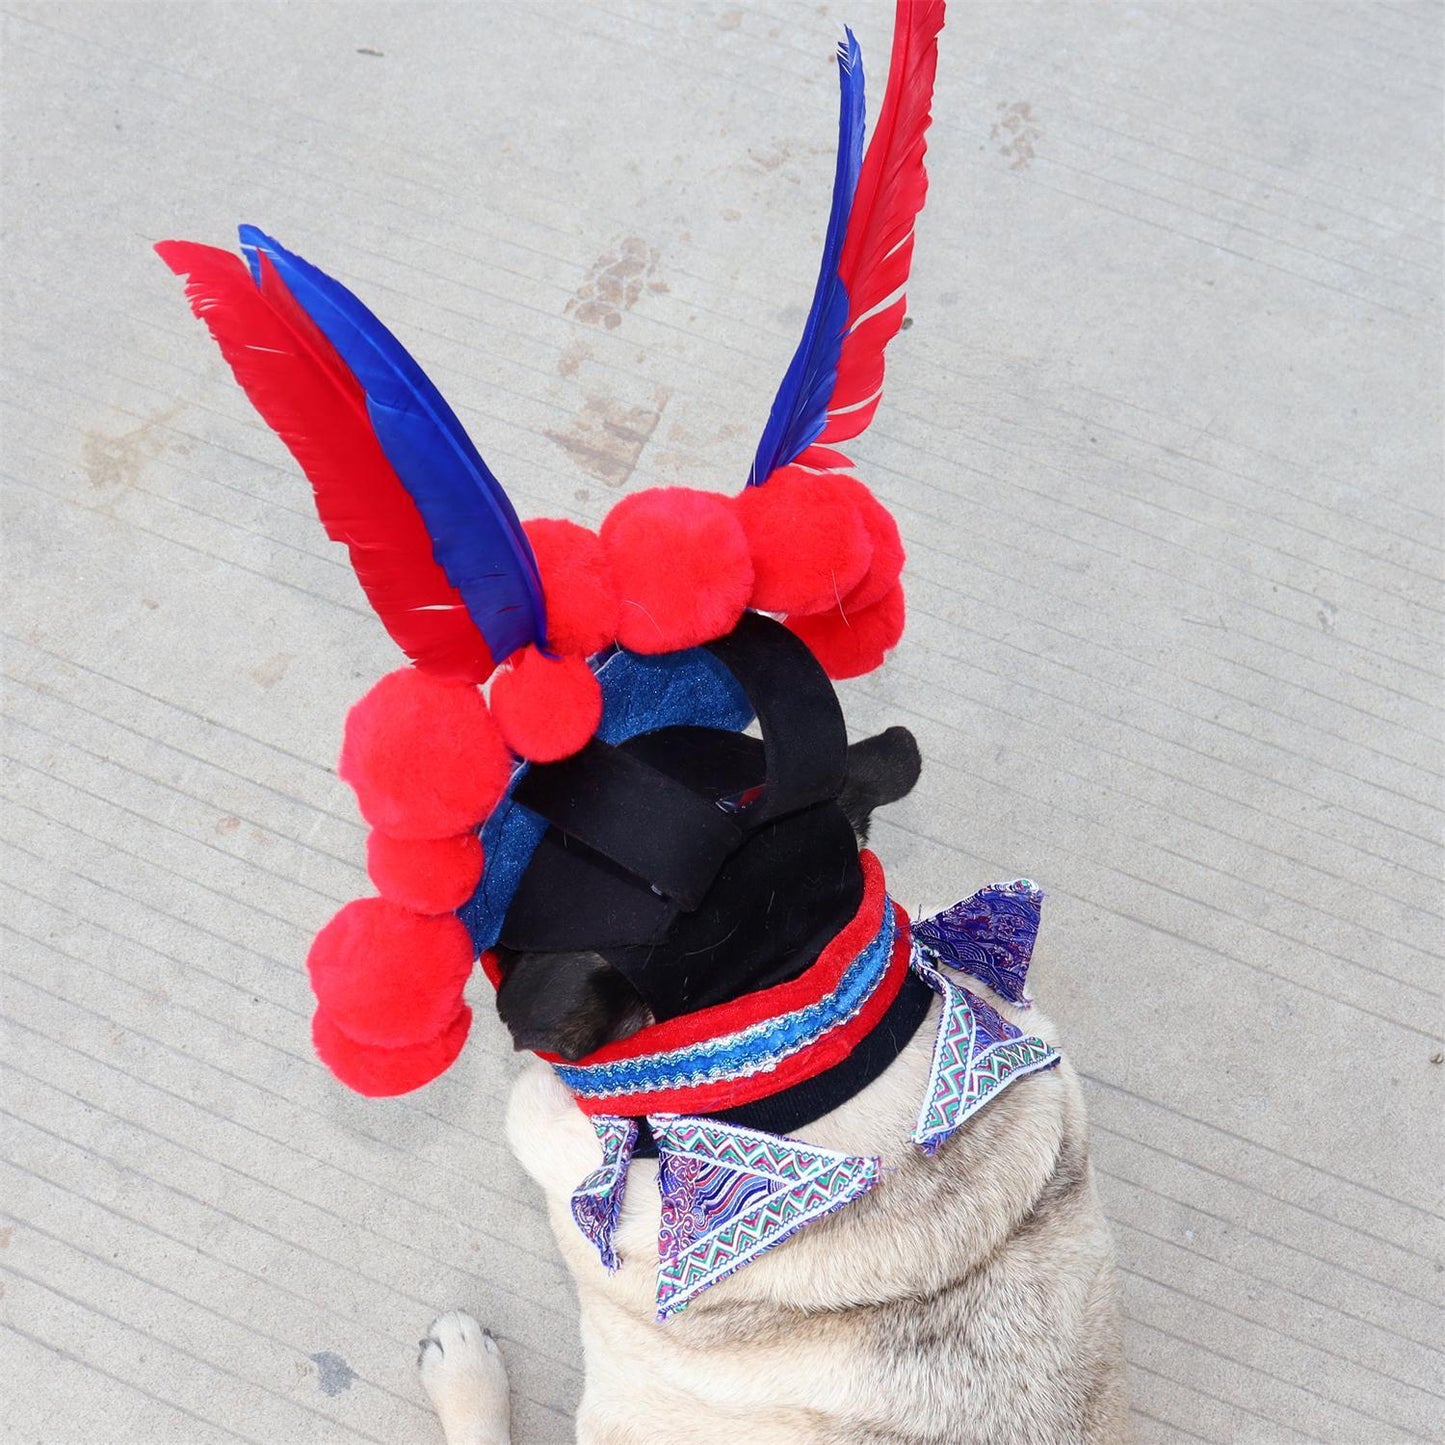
<point>615,283</point>
<point>607,437</point>
<point>7,1234</point>
<point>333,1374</point>
<point>270,672</point>
<point>1019,131</point>
<point>576,352</point>
<point>769,158</point>
<point>118,461</point>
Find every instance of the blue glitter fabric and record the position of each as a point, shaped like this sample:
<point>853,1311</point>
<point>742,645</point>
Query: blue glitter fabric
<point>990,936</point>
<point>639,695</point>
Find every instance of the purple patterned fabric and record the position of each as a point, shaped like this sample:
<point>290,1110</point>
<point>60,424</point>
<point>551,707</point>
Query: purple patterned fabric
<point>990,936</point>
<point>977,1054</point>
<point>730,1194</point>
<point>597,1201</point>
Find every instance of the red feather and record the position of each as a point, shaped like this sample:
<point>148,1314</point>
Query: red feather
<point>878,246</point>
<point>307,394</point>
<point>822,459</point>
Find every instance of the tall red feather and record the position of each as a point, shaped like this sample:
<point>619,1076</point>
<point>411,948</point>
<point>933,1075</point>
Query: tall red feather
<point>309,397</point>
<point>878,246</point>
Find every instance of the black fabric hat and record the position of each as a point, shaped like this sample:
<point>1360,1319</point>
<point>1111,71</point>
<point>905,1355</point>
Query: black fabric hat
<point>674,835</point>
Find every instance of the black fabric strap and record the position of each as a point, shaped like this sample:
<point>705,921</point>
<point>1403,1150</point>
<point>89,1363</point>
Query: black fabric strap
<point>805,740</point>
<point>792,1109</point>
<point>665,833</point>
<point>657,829</point>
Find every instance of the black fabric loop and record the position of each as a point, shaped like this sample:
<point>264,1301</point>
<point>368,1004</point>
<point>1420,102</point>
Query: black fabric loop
<point>667,834</point>
<point>659,830</point>
<point>804,736</point>
<point>642,833</point>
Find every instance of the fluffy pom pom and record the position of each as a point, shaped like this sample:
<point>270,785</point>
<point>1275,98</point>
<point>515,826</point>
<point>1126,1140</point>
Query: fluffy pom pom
<point>389,977</point>
<point>886,564</point>
<point>381,1073</point>
<point>546,708</point>
<point>850,643</point>
<point>424,757</point>
<point>427,875</point>
<point>681,563</point>
<point>807,538</point>
<point>581,597</point>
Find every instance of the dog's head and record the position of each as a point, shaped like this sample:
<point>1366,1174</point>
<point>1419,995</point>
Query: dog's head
<point>716,864</point>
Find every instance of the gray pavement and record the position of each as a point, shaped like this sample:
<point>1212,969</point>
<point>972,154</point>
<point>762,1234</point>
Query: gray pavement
<point>1164,442</point>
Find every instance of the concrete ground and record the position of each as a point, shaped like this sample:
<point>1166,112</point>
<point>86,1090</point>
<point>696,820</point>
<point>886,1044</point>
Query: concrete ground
<point>1164,442</point>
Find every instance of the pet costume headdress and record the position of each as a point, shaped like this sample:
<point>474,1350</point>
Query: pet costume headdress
<point>615,659</point>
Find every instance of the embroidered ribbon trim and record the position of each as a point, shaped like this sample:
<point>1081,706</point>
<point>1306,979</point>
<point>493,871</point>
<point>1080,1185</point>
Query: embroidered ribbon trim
<point>976,1055</point>
<point>753,1050</point>
<point>731,1194</point>
<point>597,1201</point>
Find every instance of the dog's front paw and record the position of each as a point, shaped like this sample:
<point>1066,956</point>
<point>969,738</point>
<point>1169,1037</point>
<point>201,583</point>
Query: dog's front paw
<point>461,1368</point>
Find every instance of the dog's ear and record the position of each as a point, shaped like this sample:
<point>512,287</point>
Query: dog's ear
<point>566,1003</point>
<point>881,770</point>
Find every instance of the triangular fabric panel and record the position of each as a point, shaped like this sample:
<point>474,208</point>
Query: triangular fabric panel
<point>990,936</point>
<point>597,1201</point>
<point>976,1055</point>
<point>729,1194</point>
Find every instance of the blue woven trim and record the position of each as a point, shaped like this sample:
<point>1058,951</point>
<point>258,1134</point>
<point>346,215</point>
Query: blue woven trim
<point>754,1050</point>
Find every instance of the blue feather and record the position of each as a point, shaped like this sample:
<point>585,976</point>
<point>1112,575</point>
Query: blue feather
<point>800,410</point>
<point>476,537</point>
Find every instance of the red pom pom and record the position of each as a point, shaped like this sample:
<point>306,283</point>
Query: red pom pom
<point>381,1073</point>
<point>424,756</point>
<point>581,597</point>
<point>850,643</point>
<point>427,875</point>
<point>681,563</point>
<point>387,976</point>
<point>886,566</point>
<point>808,542</point>
<point>546,708</point>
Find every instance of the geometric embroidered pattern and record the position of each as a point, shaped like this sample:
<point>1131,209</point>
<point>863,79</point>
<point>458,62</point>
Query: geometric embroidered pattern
<point>989,936</point>
<point>597,1201</point>
<point>976,1055</point>
<point>729,1194</point>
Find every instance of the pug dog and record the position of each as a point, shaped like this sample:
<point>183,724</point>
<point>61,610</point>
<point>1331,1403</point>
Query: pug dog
<point>603,832</point>
<point>968,1299</point>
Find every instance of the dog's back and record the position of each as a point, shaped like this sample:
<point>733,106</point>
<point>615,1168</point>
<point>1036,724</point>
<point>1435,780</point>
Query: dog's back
<point>969,1297</point>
